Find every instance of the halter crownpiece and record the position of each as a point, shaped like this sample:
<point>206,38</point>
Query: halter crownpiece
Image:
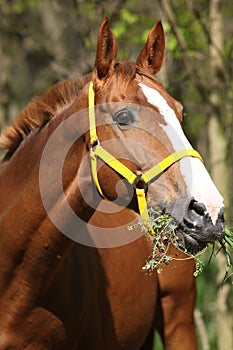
<point>99,152</point>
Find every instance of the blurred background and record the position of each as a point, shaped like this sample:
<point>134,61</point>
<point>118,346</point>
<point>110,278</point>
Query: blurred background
<point>42,42</point>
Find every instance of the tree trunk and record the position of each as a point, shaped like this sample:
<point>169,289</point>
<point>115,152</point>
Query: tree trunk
<point>218,151</point>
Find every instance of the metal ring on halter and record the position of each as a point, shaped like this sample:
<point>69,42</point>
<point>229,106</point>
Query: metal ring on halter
<point>140,183</point>
<point>94,144</point>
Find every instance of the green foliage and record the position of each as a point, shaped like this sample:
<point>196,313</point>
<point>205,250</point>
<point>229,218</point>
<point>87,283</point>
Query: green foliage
<point>128,16</point>
<point>125,20</point>
<point>227,247</point>
<point>18,7</point>
<point>171,42</point>
<point>158,345</point>
<point>88,10</point>
<point>131,29</point>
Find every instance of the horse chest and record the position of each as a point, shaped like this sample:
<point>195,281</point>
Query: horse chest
<point>103,297</point>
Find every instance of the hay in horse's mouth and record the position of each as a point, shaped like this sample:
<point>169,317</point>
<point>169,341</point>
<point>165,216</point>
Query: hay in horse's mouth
<point>167,232</point>
<point>164,228</point>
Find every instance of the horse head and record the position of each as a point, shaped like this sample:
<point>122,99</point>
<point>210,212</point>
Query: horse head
<point>139,124</point>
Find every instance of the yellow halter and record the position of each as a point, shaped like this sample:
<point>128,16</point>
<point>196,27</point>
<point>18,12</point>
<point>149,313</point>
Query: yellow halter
<point>97,151</point>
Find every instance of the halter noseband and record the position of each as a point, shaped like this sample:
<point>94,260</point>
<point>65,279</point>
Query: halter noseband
<point>97,151</point>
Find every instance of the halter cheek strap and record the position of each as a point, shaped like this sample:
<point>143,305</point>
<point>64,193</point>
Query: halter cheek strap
<point>97,151</point>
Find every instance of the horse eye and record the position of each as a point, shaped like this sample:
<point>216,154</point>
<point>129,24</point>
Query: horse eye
<point>123,117</point>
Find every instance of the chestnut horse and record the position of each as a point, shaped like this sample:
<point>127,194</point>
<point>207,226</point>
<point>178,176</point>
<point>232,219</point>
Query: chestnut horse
<point>70,274</point>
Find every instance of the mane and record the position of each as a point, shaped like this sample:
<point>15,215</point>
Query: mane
<point>40,111</point>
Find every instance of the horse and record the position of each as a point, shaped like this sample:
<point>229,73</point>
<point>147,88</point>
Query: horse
<point>71,273</point>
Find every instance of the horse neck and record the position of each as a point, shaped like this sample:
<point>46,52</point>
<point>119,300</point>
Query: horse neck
<point>23,168</point>
<point>32,247</point>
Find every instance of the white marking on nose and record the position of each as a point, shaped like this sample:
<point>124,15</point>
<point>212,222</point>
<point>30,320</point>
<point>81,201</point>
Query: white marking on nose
<point>198,182</point>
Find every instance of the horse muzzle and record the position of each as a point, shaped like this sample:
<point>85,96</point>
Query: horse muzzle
<point>197,228</point>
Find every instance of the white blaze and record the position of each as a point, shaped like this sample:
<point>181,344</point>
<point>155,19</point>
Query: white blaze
<point>198,182</point>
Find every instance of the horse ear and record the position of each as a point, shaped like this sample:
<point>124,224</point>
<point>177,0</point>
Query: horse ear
<point>152,55</point>
<point>107,49</point>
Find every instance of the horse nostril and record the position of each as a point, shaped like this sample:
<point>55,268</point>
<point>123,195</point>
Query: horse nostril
<point>199,208</point>
<point>195,217</point>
